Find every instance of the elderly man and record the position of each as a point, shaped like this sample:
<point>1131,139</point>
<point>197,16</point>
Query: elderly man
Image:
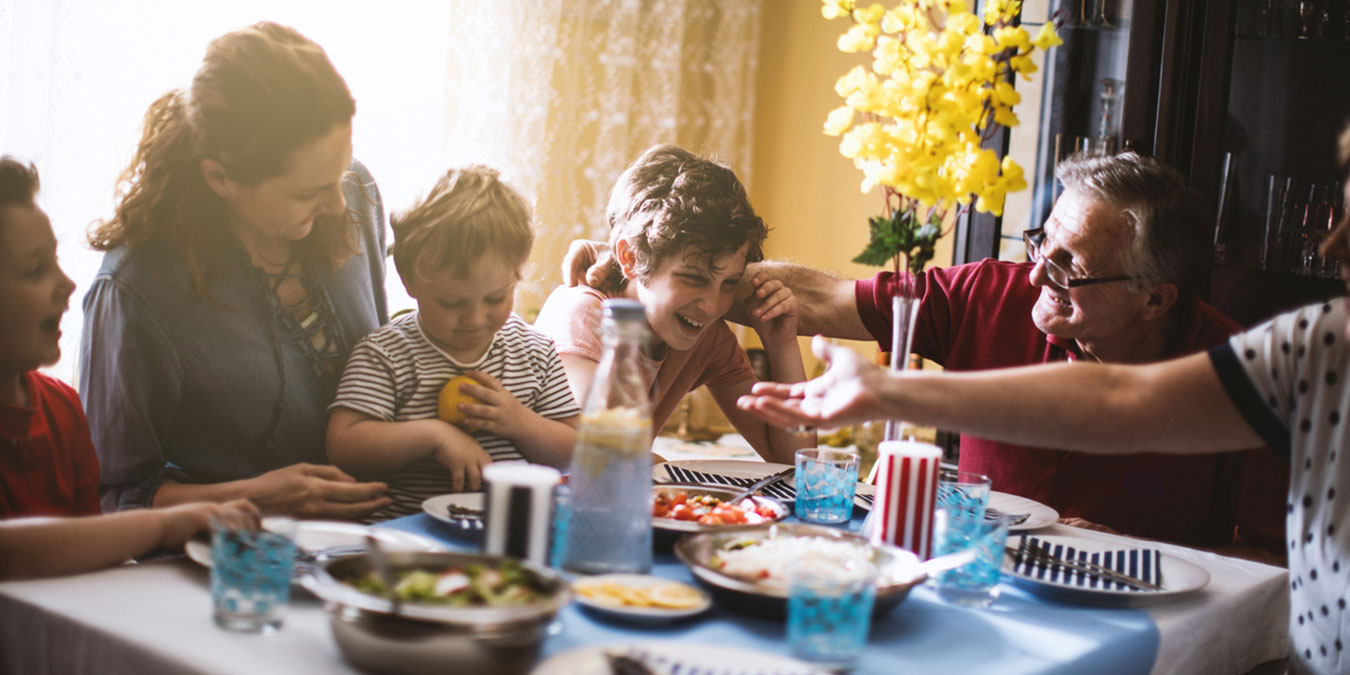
<point>1282,383</point>
<point>1110,281</point>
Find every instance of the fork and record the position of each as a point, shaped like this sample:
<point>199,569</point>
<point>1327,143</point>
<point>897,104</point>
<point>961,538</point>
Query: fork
<point>991,513</point>
<point>1043,556</point>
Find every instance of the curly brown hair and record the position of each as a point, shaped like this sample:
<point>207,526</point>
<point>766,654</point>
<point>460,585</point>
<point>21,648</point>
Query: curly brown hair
<point>670,199</point>
<point>261,93</point>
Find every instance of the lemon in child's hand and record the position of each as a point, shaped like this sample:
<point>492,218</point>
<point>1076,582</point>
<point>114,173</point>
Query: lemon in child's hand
<point>447,406</point>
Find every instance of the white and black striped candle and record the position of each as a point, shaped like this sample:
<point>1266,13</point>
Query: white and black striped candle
<point>518,510</point>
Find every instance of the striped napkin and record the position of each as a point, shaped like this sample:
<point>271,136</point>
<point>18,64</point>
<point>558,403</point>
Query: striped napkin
<point>1141,563</point>
<point>785,490</point>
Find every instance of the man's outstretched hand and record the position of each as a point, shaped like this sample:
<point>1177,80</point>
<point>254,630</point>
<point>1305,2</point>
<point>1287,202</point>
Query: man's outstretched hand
<point>851,391</point>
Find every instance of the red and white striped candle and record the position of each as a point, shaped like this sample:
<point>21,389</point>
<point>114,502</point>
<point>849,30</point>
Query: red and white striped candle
<point>906,480</point>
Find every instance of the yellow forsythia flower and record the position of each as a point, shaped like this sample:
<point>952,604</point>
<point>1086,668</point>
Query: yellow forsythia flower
<point>834,9</point>
<point>856,40</point>
<point>839,121</point>
<point>1047,37</point>
<point>934,82</point>
<point>869,15</point>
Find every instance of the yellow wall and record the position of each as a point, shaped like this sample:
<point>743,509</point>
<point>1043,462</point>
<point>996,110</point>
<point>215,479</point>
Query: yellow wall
<point>804,189</point>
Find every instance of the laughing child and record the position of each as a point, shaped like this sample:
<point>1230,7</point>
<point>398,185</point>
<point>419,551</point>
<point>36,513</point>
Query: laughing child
<point>459,252</point>
<point>681,232</point>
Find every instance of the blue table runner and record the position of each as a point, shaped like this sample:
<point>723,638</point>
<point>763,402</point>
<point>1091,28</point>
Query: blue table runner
<point>1020,633</point>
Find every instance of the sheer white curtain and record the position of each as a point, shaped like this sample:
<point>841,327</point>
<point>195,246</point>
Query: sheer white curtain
<point>558,94</point>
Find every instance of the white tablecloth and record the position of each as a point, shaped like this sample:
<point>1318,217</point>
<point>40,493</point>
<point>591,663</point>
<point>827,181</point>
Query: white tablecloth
<point>1240,619</point>
<point>156,618</point>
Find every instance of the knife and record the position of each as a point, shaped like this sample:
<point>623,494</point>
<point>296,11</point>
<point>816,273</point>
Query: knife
<point>760,484</point>
<point>1032,552</point>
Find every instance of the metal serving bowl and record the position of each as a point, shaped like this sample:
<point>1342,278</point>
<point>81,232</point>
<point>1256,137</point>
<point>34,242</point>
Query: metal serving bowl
<point>667,530</point>
<point>416,638</point>
<point>898,570</point>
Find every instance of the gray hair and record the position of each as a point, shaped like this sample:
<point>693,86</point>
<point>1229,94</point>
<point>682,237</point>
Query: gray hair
<point>1169,235</point>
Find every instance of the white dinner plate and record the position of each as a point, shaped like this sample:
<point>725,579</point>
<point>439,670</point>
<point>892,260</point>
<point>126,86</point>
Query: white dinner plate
<point>1178,576</point>
<point>630,613</point>
<point>317,536</point>
<point>438,507</point>
<point>747,469</point>
<point>1040,514</point>
<point>671,657</point>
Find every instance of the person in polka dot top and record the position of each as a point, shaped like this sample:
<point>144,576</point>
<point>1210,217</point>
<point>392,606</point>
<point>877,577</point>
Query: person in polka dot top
<point>1285,383</point>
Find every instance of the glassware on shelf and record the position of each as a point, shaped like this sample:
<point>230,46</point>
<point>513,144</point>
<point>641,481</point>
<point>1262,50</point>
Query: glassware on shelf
<point>1089,13</point>
<point>1277,189</point>
<point>1298,217</point>
<point>1105,142</point>
<point>1309,11</point>
<point>1226,179</point>
<point>1275,24</point>
<point>1330,267</point>
<point>1313,229</point>
<point>1265,23</point>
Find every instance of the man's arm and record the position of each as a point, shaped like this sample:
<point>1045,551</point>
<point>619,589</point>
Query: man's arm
<point>1176,407</point>
<point>826,304</point>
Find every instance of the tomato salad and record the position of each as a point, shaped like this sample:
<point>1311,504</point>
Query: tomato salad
<point>708,510</point>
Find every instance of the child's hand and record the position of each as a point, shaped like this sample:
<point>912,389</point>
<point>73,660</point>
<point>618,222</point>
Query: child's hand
<point>463,457</point>
<point>180,523</point>
<point>772,310</point>
<point>498,413</point>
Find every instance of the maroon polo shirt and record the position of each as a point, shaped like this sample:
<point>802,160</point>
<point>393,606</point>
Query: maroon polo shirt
<point>978,316</point>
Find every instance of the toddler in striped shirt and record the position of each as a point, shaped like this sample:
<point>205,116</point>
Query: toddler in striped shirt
<point>459,253</point>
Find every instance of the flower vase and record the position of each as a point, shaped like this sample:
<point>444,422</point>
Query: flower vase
<point>904,312</point>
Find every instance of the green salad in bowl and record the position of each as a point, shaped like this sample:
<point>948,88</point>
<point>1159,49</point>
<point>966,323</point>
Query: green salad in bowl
<point>503,584</point>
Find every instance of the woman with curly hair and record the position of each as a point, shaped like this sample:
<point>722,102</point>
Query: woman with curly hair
<point>244,260</point>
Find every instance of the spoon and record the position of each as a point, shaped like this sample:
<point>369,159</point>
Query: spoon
<point>949,561</point>
<point>381,564</point>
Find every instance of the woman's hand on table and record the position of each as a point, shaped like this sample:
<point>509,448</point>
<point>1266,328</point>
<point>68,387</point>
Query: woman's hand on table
<point>315,491</point>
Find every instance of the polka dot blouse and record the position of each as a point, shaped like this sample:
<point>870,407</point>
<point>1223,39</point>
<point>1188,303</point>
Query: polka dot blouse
<point>1287,377</point>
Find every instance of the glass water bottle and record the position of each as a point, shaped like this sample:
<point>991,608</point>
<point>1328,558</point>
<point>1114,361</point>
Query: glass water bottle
<point>611,473</point>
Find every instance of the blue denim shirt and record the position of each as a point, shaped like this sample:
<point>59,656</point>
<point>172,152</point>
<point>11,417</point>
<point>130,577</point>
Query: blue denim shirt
<point>182,389</point>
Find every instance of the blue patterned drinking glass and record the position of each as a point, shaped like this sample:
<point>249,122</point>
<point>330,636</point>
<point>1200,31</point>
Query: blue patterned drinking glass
<point>251,574</point>
<point>974,584</point>
<point>964,494</point>
<point>830,609</point>
<point>825,481</point>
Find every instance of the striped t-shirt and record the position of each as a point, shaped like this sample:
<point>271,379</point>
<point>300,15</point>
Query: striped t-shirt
<point>396,374</point>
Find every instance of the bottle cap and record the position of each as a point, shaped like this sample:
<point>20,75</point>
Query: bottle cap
<point>623,309</point>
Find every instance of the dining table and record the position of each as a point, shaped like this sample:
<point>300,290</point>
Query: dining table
<point>155,617</point>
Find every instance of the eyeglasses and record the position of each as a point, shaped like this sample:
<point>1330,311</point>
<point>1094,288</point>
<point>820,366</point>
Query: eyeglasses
<point>1034,239</point>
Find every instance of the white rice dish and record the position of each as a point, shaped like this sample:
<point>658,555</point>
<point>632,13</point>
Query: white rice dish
<point>768,560</point>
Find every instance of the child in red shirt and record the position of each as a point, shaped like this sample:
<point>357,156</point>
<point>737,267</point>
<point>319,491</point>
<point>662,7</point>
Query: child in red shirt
<point>47,461</point>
